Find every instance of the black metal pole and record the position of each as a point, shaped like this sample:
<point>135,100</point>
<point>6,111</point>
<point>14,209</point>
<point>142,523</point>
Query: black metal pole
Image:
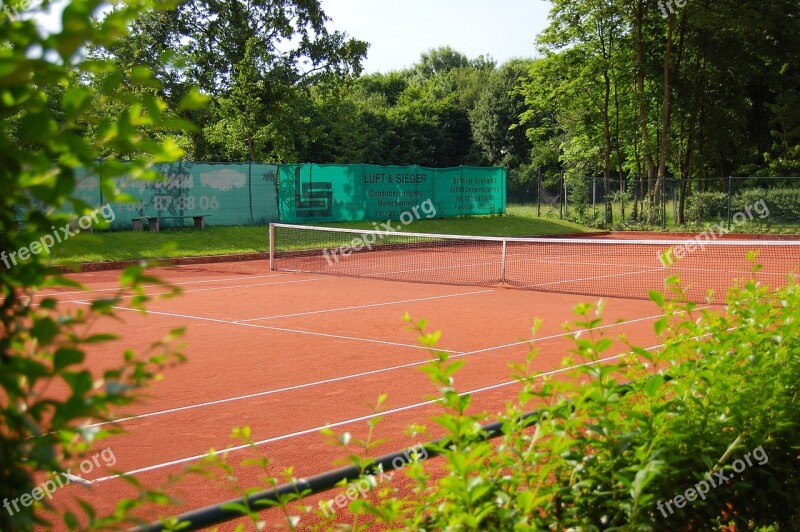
<point>539,193</point>
<point>730,199</point>
<point>220,513</point>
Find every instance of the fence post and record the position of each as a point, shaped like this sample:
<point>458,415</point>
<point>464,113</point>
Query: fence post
<point>675,186</point>
<point>250,190</point>
<point>730,199</point>
<point>664,203</point>
<point>539,193</point>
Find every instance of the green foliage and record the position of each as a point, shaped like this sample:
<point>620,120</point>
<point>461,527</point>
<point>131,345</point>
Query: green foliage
<point>257,60</point>
<point>398,118</point>
<point>495,119</point>
<point>615,438</point>
<point>624,92</point>
<point>783,203</point>
<point>708,206</point>
<point>46,346</point>
<point>445,59</point>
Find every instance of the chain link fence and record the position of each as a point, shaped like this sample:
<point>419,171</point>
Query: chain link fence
<point>759,203</point>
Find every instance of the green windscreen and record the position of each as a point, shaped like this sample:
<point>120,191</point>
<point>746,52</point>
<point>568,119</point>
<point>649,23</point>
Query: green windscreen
<point>332,193</point>
<point>228,194</point>
<point>256,194</point>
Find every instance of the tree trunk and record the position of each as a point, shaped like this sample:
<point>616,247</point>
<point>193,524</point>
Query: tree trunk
<point>640,96</point>
<point>609,215</point>
<point>665,121</point>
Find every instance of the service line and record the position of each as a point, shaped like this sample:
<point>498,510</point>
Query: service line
<point>367,373</point>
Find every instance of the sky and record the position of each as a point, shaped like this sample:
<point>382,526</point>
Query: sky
<point>400,30</point>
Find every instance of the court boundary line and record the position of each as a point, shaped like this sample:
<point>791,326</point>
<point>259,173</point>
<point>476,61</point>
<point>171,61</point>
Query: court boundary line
<point>593,278</point>
<point>371,372</point>
<point>166,283</point>
<point>355,420</point>
<point>83,300</point>
<point>268,327</point>
<point>368,306</point>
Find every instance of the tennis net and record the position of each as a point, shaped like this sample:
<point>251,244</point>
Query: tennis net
<point>585,266</point>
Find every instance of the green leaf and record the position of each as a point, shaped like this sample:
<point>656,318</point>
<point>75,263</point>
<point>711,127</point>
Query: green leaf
<point>67,356</point>
<point>653,384</point>
<point>193,100</point>
<point>657,297</point>
<point>75,101</point>
<point>44,330</point>
<point>80,383</point>
<point>100,338</point>
<point>141,74</point>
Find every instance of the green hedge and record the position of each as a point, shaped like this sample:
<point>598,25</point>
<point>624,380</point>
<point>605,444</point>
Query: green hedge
<point>783,204</point>
<point>707,207</point>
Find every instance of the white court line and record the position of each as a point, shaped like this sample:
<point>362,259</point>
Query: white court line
<point>383,275</point>
<point>591,278</point>
<point>366,373</point>
<point>671,269</point>
<point>75,478</point>
<point>233,287</point>
<point>353,420</point>
<point>270,328</point>
<point>365,306</point>
<point>166,283</point>
<point>517,259</point>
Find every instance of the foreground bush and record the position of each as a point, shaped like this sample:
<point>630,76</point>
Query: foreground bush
<point>699,434</point>
<point>782,204</point>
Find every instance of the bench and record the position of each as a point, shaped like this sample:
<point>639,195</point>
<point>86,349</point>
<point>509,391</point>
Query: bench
<point>154,222</point>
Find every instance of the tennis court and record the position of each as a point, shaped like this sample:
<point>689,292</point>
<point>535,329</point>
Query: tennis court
<point>288,353</point>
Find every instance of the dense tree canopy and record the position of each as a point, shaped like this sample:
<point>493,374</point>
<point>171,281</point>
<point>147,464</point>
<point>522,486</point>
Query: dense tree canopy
<point>640,90</point>
<point>628,92</point>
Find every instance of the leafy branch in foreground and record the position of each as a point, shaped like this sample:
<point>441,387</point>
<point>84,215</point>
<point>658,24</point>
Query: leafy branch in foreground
<point>52,390</point>
<point>620,435</point>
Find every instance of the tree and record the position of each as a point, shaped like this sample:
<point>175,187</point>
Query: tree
<point>47,103</point>
<point>496,116</point>
<point>256,58</point>
<point>439,61</point>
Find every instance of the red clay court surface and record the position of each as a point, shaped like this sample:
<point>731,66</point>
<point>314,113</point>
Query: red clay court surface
<point>290,353</point>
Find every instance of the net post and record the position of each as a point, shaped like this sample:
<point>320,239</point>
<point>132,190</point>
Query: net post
<point>271,246</point>
<point>503,263</point>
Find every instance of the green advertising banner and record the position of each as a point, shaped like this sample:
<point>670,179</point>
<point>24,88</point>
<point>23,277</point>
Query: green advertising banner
<point>228,194</point>
<point>334,193</point>
<point>256,194</point>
